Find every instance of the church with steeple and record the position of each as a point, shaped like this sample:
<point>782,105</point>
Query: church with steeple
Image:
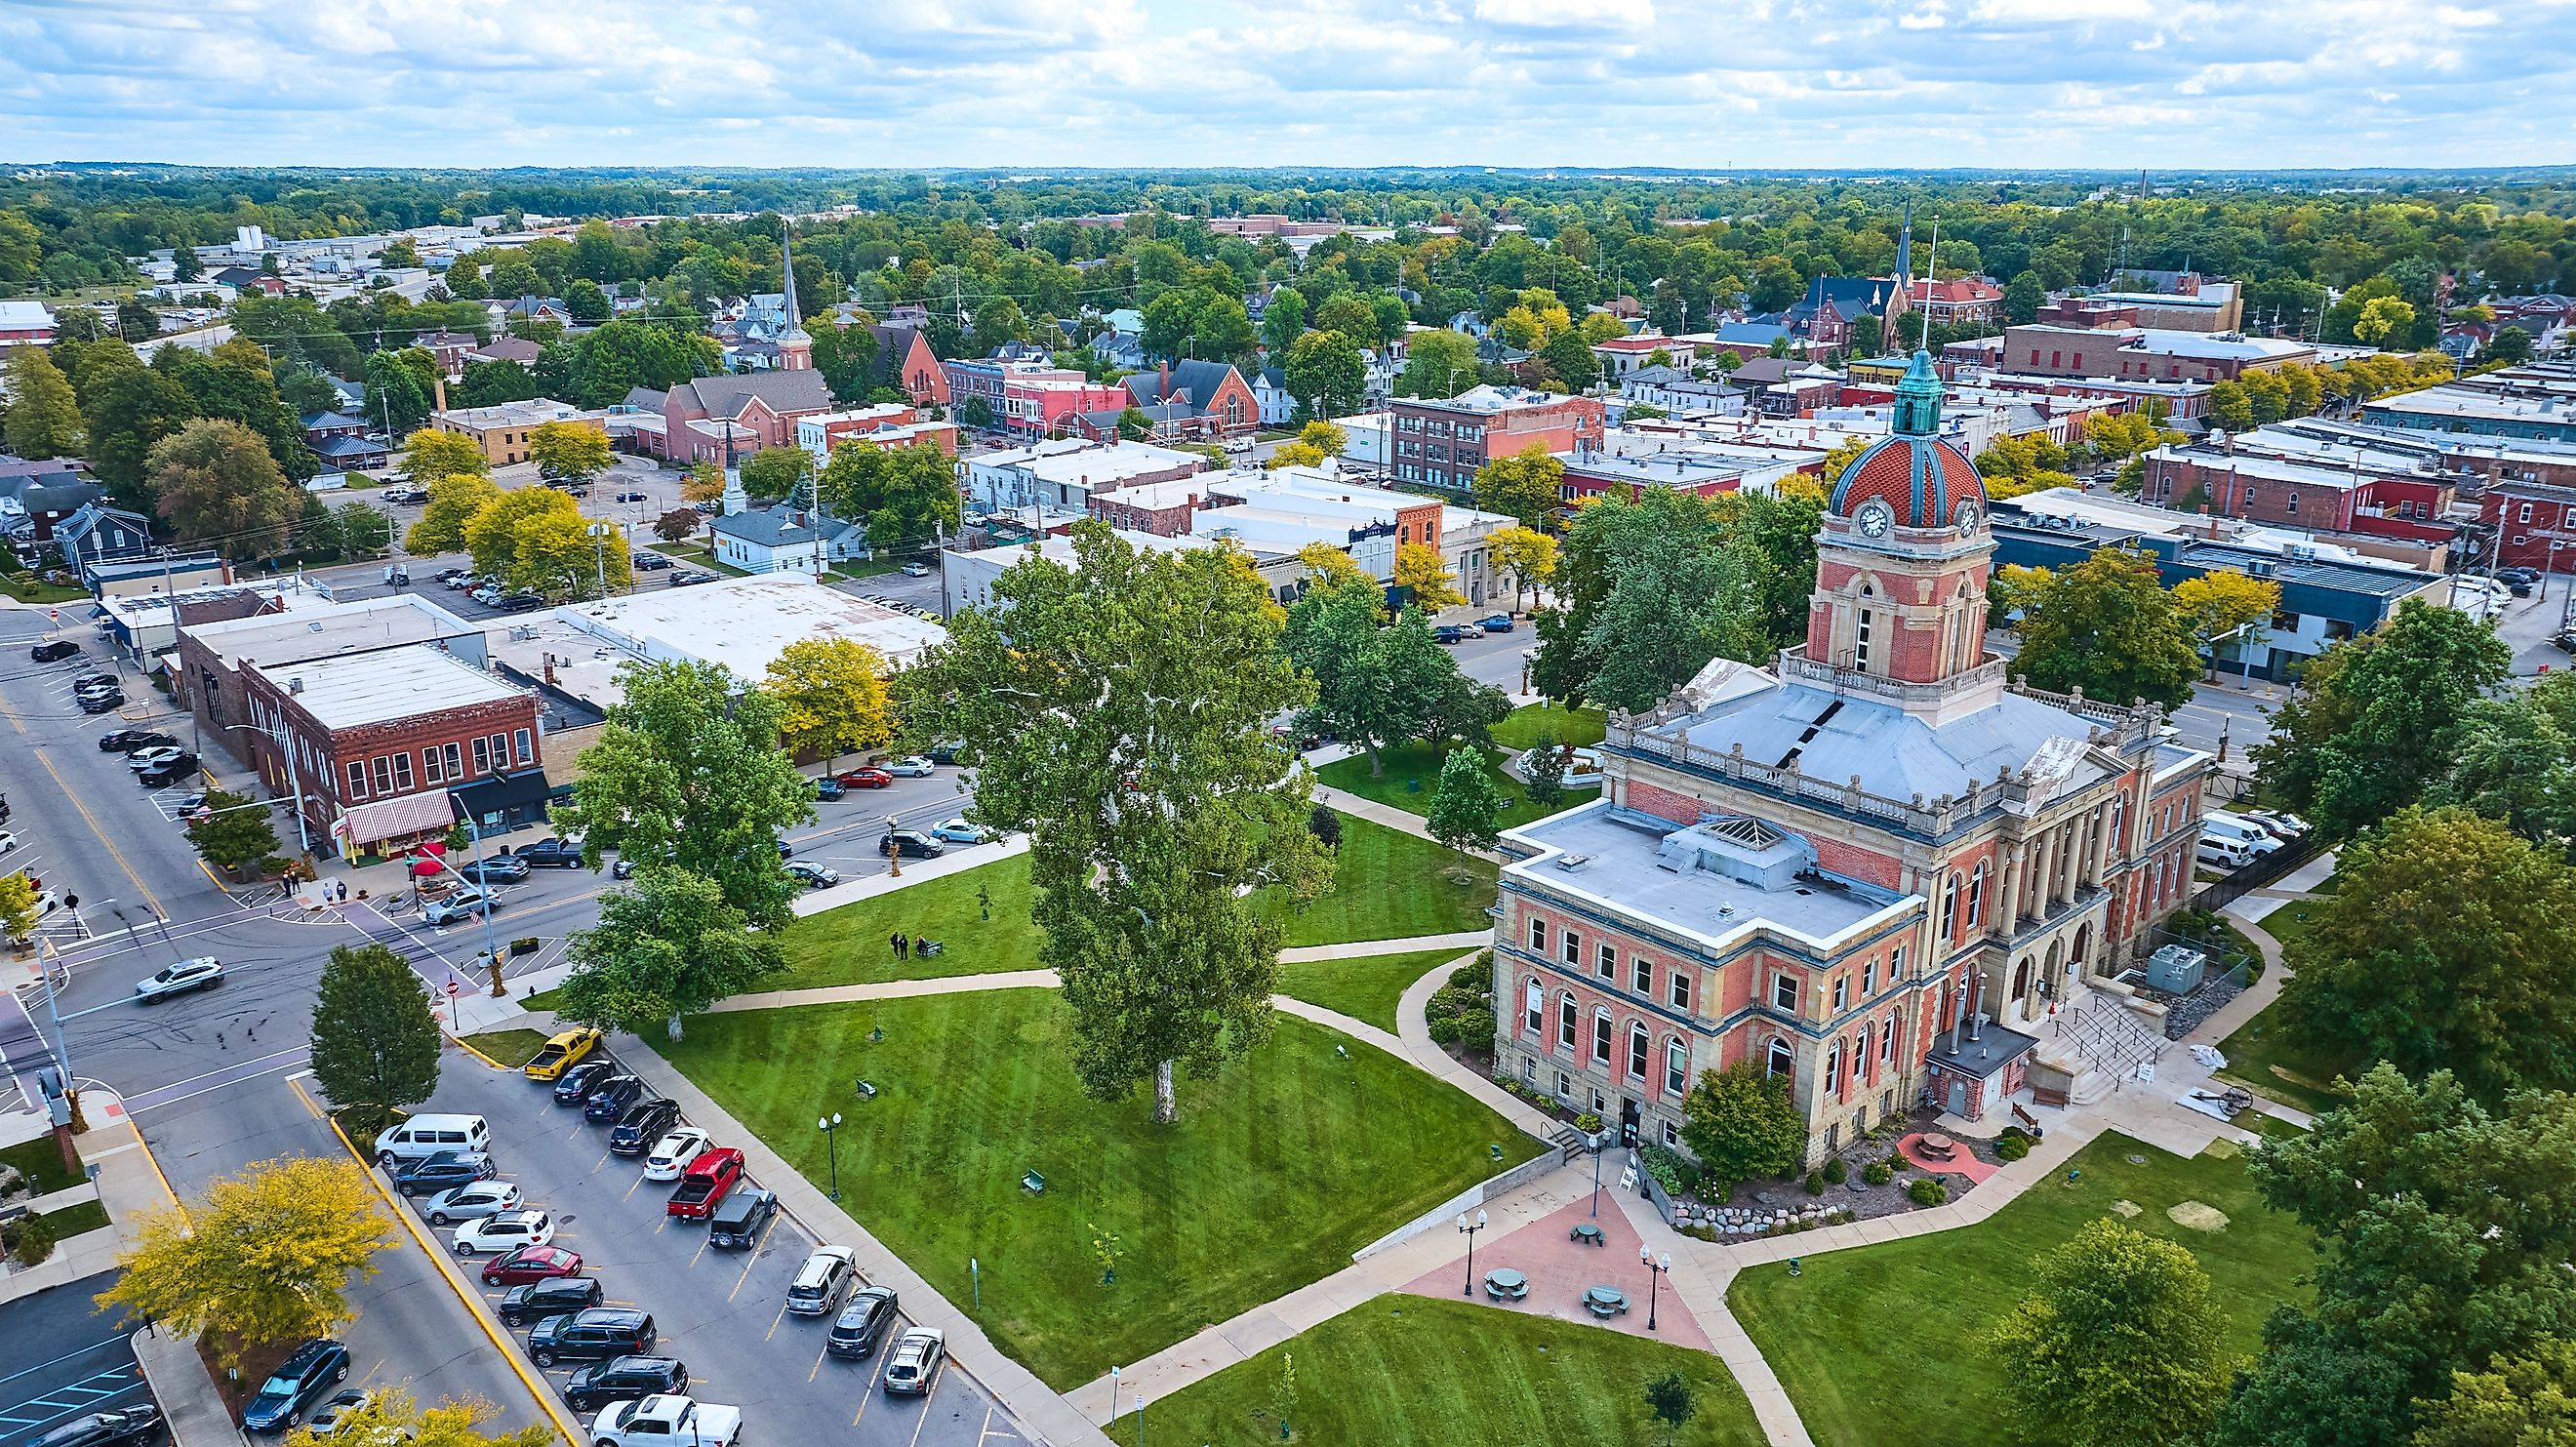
<point>1877,865</point>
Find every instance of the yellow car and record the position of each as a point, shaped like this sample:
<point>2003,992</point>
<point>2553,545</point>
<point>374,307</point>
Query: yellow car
<point>561,1053</point>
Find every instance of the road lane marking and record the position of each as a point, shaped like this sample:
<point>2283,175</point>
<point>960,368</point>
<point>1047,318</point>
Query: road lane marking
<point>113,852</point>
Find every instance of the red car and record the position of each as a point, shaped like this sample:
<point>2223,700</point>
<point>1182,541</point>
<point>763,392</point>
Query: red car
<point>865,779</point>
<point>531,1263</point>
<point>704,1184</point>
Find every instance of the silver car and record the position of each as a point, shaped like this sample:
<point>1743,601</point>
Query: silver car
<point>822,1281</point>
<point>464,1203</point>
<point>463,904</point>
<point>914,1364</point>
<point>202,973</point>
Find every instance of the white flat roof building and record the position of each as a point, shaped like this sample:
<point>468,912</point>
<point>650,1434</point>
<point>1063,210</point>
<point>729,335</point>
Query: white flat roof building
<point>385,686</point>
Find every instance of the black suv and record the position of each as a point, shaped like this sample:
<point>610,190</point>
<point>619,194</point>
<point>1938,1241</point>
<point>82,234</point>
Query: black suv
<point>594,1335</point>
<point>613,1095</point>
<point>739,1217</point>
<point>625,1379</point>
<point>537,1300</point>
<point>644,1122</point>
<point>862,1325</point>
<point>578,1082</point>
<point>59,648</point>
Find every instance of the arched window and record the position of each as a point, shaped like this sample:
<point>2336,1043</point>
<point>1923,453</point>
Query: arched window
<point>2119,816</point>
<point>1950,908</point>
<point>1637,1049</point>
<point>1781,1059</point>
<point>1676,1068</point>
<point>1977,896</point>
<point>1833,1067</point>
<point>1601,1037</point>
<point>1887,1039</point>
<point>1860,1057</point>
<point>1565,1026</point>
<point>1537,1006</point>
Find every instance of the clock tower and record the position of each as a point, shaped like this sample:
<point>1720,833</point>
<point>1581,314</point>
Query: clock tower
<point>1902,560</point>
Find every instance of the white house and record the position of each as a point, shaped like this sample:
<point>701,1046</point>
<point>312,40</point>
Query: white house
<point>787,538</point>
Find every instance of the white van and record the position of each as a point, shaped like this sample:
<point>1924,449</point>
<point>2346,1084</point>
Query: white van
<point>2219,824</point>
<point>426,1135</point>
<point>2227,854</point>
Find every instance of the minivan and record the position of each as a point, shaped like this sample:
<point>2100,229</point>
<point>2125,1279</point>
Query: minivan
<point>427,1135</point>
<point>2219,824</point>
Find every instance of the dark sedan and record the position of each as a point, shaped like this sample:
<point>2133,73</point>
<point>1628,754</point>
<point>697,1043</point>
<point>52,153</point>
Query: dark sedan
<point>913,843</point>
<point>610,1099</point>
<point>431,1174</point>
<point>124,1427</point>
<point>578,1082</point>
<point>507,869</point>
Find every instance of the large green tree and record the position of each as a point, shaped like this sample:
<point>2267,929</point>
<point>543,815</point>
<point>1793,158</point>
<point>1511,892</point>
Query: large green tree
<point>1375,685</point>
<point>2117,1344</point>
<point>774,473</point>
<point>2449,946</point>
<point>846,356</point>
<point>1741,1124</point>
<point>1439,364</point>
<point>2106,625</point>
<point>1466,808</point>
<point>2444,1229</point>
<point>905,497</point>
<point>44,415</point>
<point>688,769</point>
<point>665,948</point>
<point>234,832</point>
<point>2355,743</point>
<point>218,485</point>
<point>1326,374</point>
<point>395,398</point>
<point>375,1037</point>
<point>1526,486</point>
<point>1117,711</point>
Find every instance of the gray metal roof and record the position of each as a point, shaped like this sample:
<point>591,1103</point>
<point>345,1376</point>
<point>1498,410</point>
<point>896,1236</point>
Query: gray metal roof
<point>1896,755</point>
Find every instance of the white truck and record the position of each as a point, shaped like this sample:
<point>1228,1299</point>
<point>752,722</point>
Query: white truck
<point>666,1421</point>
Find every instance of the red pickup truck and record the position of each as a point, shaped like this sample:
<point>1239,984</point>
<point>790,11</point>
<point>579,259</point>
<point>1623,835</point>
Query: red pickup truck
<point>704,1183</point>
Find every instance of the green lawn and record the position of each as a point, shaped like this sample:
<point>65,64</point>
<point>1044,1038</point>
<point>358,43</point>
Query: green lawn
<point>2261,1057</point>
<point>41,1162</point>
<point>507,1047</point>
<point>1390,885</point>
<point>77,1220</point>
<point>1417,1371</point>
<point>698,556</point>
<point>1581,727</point>
<point>1280,1167</point>
<point>1827,1332</point>
<point>1413,770</point>
<point>1364,989</point>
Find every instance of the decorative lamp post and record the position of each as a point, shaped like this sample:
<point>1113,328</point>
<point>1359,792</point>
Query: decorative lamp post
<point>1658,1266</point>
<point>894,848</point>
<point>1470,1227</point>
<point>831,1134</point>
<point>1597,1140</point>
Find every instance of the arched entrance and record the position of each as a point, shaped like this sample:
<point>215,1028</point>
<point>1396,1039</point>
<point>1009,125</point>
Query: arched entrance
<point>2021,980</point>
<point>2080,960</point>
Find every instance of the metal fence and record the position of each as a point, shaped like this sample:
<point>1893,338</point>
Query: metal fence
<point>2263,871</point>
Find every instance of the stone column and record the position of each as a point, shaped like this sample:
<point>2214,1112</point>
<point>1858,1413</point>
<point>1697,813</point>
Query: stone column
<point>2003,909</point>
<point>2070,870</point>
<point>2044,873</point>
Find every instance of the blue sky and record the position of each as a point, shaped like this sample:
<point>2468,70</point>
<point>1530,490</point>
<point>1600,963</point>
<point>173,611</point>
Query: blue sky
<point>1036,83</point>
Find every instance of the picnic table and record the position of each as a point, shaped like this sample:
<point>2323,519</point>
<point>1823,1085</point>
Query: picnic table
<point>1504,1284</point>
<point>1586,1233</point>
<point>1938,1147</point>
<point>1606,1301</point>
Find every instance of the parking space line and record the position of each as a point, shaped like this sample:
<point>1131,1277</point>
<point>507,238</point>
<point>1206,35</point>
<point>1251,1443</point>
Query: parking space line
<point>868,1393</point>
<point>751,1258</point>
<point>924,1419</point>
<point>824,1351</point>
<point>773,1321</point>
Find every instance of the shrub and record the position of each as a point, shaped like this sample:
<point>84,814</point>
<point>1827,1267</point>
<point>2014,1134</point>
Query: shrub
<point>1476,978</point>
<point>1876,1173</point>
<point>1836,1171</point>
<point>2012,1147</point>
<point>1928,1192</point>
<point>1588,1123</point>
<point>1665,1165</point>
<point>1815,1183</point>
<point>31,1239</point>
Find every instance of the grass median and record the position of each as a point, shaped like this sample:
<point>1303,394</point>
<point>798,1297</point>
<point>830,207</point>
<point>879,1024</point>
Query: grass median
<point>1290,1159</point>
<point>1826,1331</point>
<point>1366,989</point>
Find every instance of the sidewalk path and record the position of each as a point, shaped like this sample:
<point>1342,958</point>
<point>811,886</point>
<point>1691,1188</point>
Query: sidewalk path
<point>1367,949</point>
<point>1413,1026</point>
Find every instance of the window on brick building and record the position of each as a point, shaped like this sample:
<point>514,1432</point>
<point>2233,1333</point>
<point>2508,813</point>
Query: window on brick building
<point>1538,935</point>
<point>1779,1060</point>
<point>402,772</point>
<point>1672,1136</point>
<point>1681,988</point>
<point>2293,502</point>
<point>524,745</point>
<point>2524,515</point>
<point>1537,1011</point>
<point>1565,1024</point>
<point>1833,1068</point>
<point>1868,979</point>
<point>430,761</point>
<point>1601,1037</point>
<point>1573,948</point>
<point>1977,896</point>
<point>1637,1046</point>
<point>1950,907</point>
<point>482,756</point>
<point>383,766</point>
<point>1887,1039</point>
<point>1860,1057</point>
<point>357,781</point>
<point>1605,961</point>
<point>1784,992</point>
<point>455,760</point>
<point>1641,976</point>
<point>1676,1067</point>
<point>1896,964</point>
<point>1842,992</point>
<point>500,752</point>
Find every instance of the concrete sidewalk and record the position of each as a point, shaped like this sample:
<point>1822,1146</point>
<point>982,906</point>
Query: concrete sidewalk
<point>1369,949</point>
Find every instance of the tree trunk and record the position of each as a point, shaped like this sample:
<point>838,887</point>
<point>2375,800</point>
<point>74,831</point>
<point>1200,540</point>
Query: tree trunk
<point>1377,764</point>
<point>674,1027</point>
<point>1167,1108</point>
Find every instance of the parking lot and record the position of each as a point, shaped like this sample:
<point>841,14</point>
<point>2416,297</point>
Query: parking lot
<point>63,1360</point>
<point>722,1313</point>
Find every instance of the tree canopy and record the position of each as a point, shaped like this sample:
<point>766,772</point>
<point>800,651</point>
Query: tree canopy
<point>2107,626</point>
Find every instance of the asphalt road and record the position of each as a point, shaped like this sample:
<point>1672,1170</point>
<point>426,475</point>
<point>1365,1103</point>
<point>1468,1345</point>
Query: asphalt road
<point>723,1313</point>
<point>60,1358</point>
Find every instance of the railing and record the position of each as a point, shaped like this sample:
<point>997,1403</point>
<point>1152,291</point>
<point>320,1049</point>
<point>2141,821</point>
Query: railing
<point>1794,663</point>
<point>2264,870</point>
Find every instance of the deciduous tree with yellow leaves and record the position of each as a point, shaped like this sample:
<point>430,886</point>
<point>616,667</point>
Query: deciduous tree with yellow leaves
<point>391,1415</point>
<point>1526,554</point>
<point>1420,567</point>
<point>266,1257</point>
<point>834,692</point>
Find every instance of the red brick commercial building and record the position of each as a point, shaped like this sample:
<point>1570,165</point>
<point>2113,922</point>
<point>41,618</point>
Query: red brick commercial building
<point>2291,493</point>
<point>375,742</point>
<point>2134,352</point>
<point>1443,443</point>
<point>2533,524</point>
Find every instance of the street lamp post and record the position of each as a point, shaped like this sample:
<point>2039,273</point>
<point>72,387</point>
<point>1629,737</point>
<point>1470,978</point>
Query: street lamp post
<point>1598,1139</point>
<point>1470,1228</point>
<point>831,1135</point>
<point>599,534</point>
<point>1658,1266</point>
<point>893,848</point>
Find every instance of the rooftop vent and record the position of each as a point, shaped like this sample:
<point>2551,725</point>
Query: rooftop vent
<point>1571,862</point>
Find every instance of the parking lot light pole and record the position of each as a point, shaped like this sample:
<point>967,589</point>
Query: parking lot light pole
<point>831,1134</point>
<point>599,533</point>
<point>1597,1139</point>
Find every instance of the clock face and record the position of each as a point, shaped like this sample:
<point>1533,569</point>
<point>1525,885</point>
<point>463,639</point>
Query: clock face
<point>1874,519</point>
<point>1965,518</point>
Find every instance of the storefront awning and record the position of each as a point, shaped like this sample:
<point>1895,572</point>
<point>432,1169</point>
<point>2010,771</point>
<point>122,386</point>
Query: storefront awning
<point>500,793</point>
<point>397,818</point>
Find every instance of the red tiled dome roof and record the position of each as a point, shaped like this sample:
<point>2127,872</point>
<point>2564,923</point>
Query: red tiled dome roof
<point>1921,479</point>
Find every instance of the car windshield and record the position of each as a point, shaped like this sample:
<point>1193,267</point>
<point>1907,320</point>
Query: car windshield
<point>278,1389</point>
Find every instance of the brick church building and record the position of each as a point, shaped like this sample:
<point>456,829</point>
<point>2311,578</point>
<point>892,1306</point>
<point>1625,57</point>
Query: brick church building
<point>1876,867</point>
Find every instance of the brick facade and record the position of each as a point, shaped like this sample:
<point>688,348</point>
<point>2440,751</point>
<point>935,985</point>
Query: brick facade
<point>443,745</point>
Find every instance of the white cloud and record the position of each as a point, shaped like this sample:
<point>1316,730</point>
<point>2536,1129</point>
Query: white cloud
<point>1345,82</point>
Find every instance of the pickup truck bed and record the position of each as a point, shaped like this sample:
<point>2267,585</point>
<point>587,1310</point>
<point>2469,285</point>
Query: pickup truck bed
<point>666,1421</point>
